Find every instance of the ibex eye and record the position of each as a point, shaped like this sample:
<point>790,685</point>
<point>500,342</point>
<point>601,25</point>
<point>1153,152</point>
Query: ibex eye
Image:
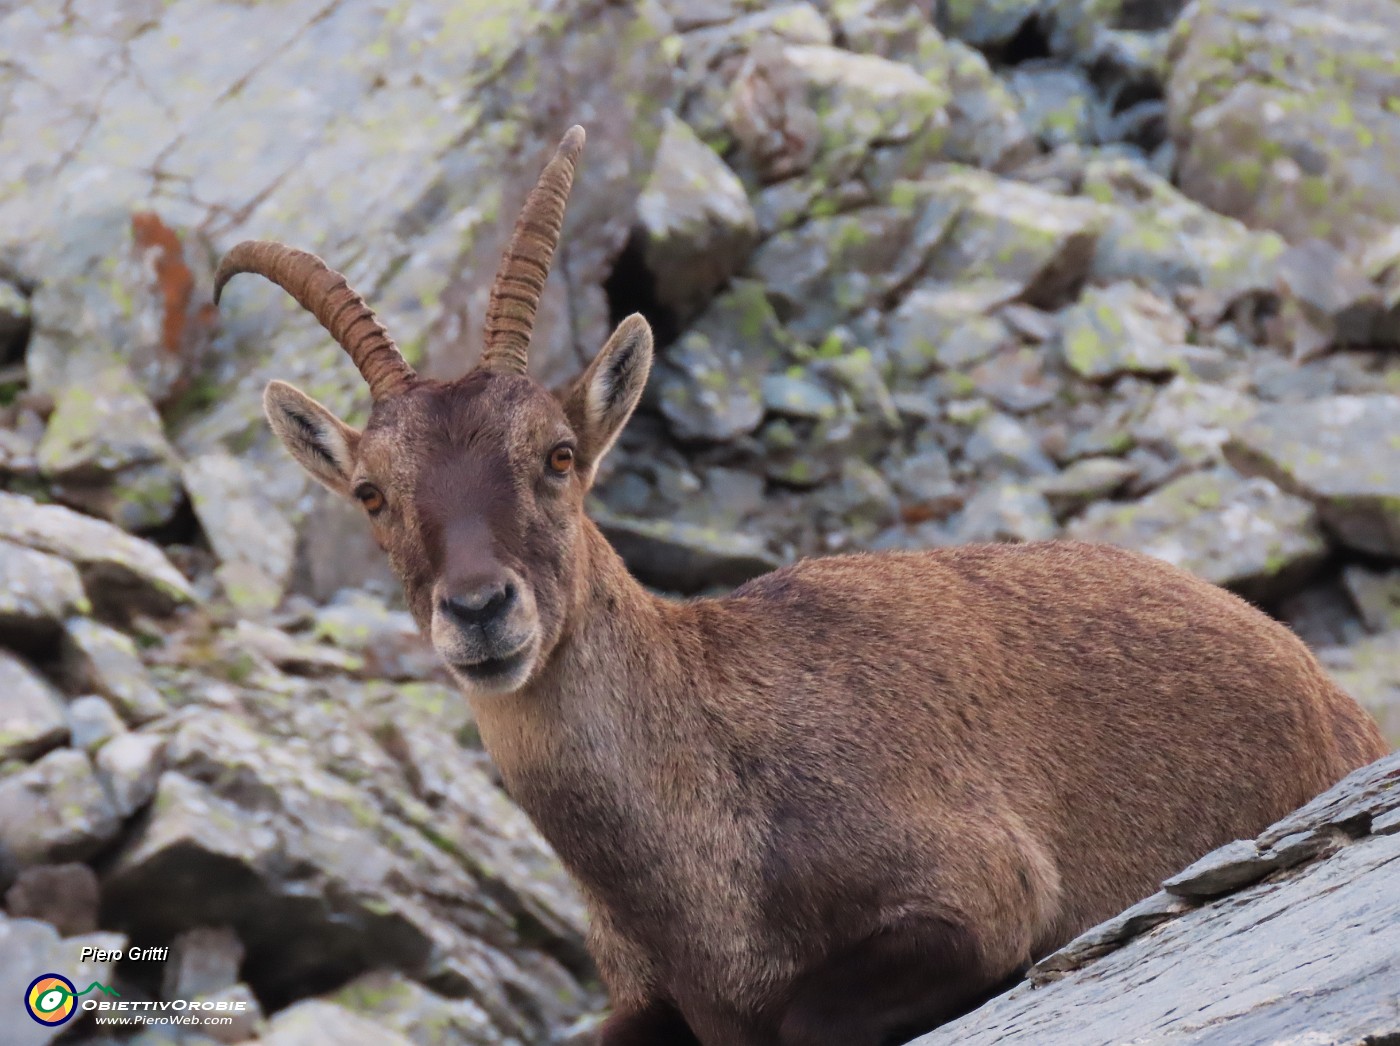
<point>561,459</point>
<point>370,497</point>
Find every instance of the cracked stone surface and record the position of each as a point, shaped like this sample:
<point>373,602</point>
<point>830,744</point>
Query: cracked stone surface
<point>1309,954</point>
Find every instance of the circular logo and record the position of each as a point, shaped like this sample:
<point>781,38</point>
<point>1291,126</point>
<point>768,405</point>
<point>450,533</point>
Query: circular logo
<point>50,999</point>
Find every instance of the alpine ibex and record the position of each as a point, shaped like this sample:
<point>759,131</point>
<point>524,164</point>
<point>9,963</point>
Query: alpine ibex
<point>853,797</point>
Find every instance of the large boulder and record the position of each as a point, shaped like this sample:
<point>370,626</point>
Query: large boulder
<point>1342,452</point>
<point>398,148</point>
<point>120,572</point>
<point>1290,937</point>
<point>105,452</point>
<point>54,810</point>
<point>349,833</point>
<point>695,224</point>
<point>1283,114</point>
<point>31,711</point>
<point>37,592</point>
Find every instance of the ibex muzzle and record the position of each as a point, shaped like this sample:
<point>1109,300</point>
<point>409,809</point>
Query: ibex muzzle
<point>845,802</point>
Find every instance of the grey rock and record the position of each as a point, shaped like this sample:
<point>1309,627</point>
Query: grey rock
<point>1322,616</point>
<point>924,482</point>
<point>54,811</point>
<point>37,591</point>
<point>312,1022</point>
<point>337,551</point>
<point>695,224</point>
<point>1284,120</point>
<point>1056,102</point>
<point>1006,512</point>
<point>31,947</point>
<point>117,283</point>
<point>860,504</point>
<point>856,370</point>
<point>1326,300</point>
<point>1002,445</point>
<point>944,327</point>
<point>1110,934</point>
<point>1192,420</point>
<point>119,572</point>
<point>1380,262</point>
<point>831,268</point>
<point>1221,871</point>
<point>129,766</point>
<point>1039,242</point>
<point>384,880</point>
<point>715,51</point>
<point>1122,329</point>
<point>1352,805</point>
<point>32,720</point>
<point>1309,953</point>
<point>818,112</point>
<point>797,396</point>
<point>709,382</point>
<point>1375,595</point>
<point>890,28</point>
<point>1085,481</point>
<point>255,543</point>
<point>986,25</point>
<point>202,961</point>
<point>386,641</point>
<point>1243,533</point>
<point>92,722</point>
<point>291,654</point>
<point>1030,324</point>
<point>247,1015</point>
<point>98,659</point>
<point>686,558</point>
<point>1369,670</point>
<point>393,1001</point>
<point>1155,235</point>
<point>62,895</point>
<point>105,452</point>
<point>1311,450</point>
<point>985,128</point>
<point>1018,379</point>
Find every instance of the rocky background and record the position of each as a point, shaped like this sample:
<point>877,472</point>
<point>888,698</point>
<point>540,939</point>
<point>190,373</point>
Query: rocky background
<point>920,273</point>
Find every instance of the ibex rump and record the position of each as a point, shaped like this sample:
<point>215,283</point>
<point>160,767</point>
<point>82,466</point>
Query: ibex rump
<point>850,799</point>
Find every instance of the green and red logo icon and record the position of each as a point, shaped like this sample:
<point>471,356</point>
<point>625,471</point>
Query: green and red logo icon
<point>51,998</point>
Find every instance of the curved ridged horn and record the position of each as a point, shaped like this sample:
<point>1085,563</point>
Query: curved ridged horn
<point>510,314</point>
<point>324,293</point>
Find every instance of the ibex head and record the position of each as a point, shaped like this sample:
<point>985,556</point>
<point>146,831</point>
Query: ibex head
<point>474,487</point>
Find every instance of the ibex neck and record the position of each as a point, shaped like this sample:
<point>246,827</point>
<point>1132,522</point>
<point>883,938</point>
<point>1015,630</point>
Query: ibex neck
<point>616,667</point>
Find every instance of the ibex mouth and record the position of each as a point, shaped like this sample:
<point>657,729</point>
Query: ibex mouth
<point>494,669</point>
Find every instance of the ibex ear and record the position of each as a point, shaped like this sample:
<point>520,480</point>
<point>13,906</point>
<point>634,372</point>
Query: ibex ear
<point>322,444</point>
<point>599,403</point>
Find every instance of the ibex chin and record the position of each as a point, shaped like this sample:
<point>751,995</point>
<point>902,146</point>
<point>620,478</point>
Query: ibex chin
<point>852,798</point>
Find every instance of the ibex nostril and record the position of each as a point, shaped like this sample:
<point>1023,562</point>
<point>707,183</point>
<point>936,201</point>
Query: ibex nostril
<point>479,605</point>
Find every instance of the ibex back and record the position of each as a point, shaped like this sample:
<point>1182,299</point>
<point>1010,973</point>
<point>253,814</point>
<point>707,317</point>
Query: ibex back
<point>852,798</point>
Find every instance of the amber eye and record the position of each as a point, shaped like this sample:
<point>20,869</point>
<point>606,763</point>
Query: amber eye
<point>561,458</point>
<point>370,497</point>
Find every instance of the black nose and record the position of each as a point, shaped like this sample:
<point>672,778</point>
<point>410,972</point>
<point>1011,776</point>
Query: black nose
<point>480,606</point>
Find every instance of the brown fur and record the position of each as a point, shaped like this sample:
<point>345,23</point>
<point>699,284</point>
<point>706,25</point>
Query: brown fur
<point>913,771</point>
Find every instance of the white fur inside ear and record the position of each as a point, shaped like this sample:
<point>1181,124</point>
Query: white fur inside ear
<point>321,443</point>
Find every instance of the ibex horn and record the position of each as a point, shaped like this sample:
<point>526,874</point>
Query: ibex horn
<point>324,293</point>
<point>510,314</point>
